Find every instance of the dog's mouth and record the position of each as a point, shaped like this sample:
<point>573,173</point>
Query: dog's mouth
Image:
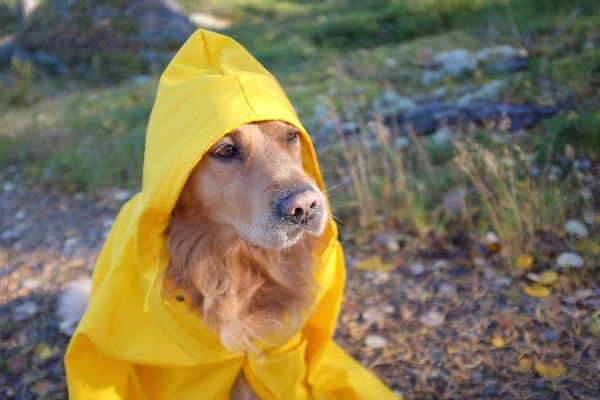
<point>295,215</point>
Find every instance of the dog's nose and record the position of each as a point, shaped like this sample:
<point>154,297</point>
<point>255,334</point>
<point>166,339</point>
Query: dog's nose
<point>299,206</point>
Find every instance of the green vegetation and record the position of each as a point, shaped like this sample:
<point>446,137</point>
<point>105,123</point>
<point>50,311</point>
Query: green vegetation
<point>88,134</point>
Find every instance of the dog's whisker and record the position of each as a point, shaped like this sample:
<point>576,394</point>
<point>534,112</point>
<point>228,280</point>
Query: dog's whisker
<point>232,246</point>
<point>335,186</point>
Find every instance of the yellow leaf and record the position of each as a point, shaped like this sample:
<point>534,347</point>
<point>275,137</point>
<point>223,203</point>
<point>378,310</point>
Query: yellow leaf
<point>525,364</point>
<point>597,218</point>
<point>553,370</point>
<point>375,264</point>
<point>536,290</point>
<point>594,325</point>
<point>548,277</point>
<point>497,341</point>
<point>43,352</point>
<point>524,262</point>
<point>493,247</point>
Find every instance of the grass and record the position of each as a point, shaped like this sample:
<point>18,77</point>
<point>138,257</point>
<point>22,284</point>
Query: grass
<point>85,135</point>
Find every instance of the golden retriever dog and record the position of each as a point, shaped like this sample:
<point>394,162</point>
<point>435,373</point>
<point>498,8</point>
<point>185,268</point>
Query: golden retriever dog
<point>239,238</point>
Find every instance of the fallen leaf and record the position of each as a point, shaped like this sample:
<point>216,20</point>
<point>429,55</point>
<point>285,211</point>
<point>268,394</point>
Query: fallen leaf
<point>536,290</point>
<point>524,262</point>
<point>525,364</point>
<point>43,352</point>
<point>553,370</point>
<point>497,341</point>
<point>492,242</point>
<point>375,264</point>
<point>43,387</point>
<point>594,325</point>
<point>548,277</point>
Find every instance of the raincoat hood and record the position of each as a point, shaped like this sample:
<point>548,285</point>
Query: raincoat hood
<point>135,343</point>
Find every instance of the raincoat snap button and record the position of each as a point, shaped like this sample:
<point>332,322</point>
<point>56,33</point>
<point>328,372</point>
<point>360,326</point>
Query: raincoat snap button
<point>179,298</point>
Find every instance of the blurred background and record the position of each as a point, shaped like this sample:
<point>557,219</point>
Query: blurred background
<point>460,140</point>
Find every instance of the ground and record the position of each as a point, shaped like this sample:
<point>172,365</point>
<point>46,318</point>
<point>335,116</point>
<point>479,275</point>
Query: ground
<point>444,319</point>
<point>473,253</point>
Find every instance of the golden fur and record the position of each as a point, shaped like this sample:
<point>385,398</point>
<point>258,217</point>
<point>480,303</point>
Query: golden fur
<point>246,268</point>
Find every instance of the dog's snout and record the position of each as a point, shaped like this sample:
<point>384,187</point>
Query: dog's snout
<point>299,206</point>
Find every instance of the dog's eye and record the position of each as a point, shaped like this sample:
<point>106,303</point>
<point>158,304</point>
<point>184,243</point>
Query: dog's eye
<point>292,136</point>
<point>228,151</point>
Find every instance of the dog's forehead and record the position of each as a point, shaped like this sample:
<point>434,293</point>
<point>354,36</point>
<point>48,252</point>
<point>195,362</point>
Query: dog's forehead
<point>266,128</point>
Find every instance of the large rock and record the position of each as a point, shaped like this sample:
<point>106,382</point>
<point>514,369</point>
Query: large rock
<point>119,37</point>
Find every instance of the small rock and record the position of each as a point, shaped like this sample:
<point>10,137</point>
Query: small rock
<point>502,281</point>
<point>373,316</point>
<point>8,186</point>
<point>401,143</point>
<point>439,92</point>
<point>576,228</point>
<point>376,341</point>
<point>569,259</point>
<point>25,310</point>
<point>9,234</point>
<point>440,264</point>
<point>31,283</point>
<point>489,92</point>
<point>107,223</point>
<point>432,319</point>
<point>389,242</point>
<point>20,214</point>
<point>455,62</point>
<point>453,201</point>
<point>442,137</point>
<point>121,195</point>
<point>417,269</point>
<point>501,51</point>
<point>447,289</point>
<point>491,238</point>
<point>209,21</point>
<point>589,217</point>
<point>390,62</point>
<point>69,245</point>
<point>392,103</point>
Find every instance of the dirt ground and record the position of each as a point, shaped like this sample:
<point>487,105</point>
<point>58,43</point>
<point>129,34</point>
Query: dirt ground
<point>443,317</point>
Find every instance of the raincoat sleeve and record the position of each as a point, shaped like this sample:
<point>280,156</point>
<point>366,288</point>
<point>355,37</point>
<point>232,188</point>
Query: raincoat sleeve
<point>332,373</point>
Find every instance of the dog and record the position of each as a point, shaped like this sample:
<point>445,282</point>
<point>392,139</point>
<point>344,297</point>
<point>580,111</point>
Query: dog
<point>239,240</point>
<point>239,237</point>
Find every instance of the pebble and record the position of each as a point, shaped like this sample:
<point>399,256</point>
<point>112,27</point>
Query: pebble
<point>31,283</point>
<point>8,186</point>
<point>25,310</point>
<point>20,214</point>
<point>576,228</point>
<point>9,234</point>
<point>390,242</point>
<point>440,264</point>
<point>121,195</point>
<point>417,269</point>
<point>589,217</point>
<point>376,341</point>
<point>569,259</point>
<point>69,244</point>
<point>432,319</point>
<point>447,289</point>
<point>491,238</point>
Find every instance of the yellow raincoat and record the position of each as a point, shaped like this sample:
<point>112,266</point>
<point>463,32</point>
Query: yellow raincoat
<point>132,342</point>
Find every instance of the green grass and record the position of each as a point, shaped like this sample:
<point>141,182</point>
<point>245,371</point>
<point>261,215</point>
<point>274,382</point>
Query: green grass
<point>88,134</point>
